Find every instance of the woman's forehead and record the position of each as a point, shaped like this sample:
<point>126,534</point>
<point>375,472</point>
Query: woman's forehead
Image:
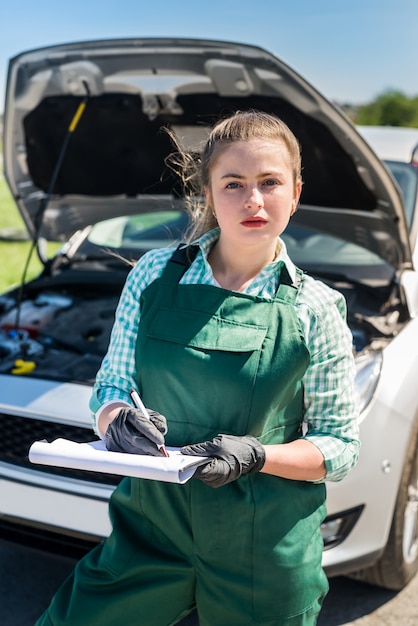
<point>251,152</point>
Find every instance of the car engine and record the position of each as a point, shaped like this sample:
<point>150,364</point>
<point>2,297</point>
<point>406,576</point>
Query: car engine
<point>63,337</point>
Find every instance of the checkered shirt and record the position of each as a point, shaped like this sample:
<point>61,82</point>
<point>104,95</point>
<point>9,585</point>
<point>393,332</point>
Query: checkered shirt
<point>330,415</point>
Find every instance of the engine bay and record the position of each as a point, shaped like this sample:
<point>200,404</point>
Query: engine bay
<point>59,335</point>
<point>62,332</point>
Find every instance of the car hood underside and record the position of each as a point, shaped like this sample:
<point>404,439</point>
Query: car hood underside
<point>84,141</point>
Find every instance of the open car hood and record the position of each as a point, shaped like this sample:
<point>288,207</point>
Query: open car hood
<point>70,166</point>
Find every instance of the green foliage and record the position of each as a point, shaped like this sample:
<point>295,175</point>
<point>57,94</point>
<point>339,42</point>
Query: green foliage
<point>391,108</point>
<point>9,214</point>
<point>13,253</point>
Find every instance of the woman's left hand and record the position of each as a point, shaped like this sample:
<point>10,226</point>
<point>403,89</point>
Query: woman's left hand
<point>231,458</point>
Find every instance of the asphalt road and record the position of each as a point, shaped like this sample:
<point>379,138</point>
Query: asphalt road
<point>29,578</point>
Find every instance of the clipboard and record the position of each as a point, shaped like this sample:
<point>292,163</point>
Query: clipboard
<point>93,456</point>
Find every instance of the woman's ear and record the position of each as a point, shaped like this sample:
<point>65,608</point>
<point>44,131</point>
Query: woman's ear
<point>294,207</point>
<point>295,201</point>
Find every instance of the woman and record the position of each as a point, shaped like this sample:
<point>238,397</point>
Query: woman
<point>251,363</point>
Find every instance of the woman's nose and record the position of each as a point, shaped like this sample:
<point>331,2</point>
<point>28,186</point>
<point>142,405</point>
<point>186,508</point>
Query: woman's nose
<point>254,197</point>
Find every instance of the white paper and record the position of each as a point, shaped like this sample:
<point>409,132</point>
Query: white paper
<point>93,456</point>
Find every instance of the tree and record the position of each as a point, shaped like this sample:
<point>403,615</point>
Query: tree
<point>391,108</point>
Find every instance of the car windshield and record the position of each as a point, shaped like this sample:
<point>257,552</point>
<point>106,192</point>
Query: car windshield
<point>319,254</point>
<point>140,232</point>
<point>406,175</point>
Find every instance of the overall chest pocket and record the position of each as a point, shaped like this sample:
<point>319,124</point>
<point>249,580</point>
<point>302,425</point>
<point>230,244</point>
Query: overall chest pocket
<point>206,332</point>
<point>200,371</point>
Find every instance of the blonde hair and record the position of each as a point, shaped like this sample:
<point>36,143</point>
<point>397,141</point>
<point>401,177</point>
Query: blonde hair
<point>195,169</point>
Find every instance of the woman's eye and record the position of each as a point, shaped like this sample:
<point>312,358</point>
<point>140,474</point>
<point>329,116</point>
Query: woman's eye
<point>232,185</point>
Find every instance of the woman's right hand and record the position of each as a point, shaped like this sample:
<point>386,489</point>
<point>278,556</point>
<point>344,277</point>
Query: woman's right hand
<point>131,431</point>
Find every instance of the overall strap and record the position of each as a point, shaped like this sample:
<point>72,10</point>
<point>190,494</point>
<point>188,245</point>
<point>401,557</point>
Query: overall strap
<point>185,254</point>
<point>288,290</point>
<point>166,285</point>
<point>179,262</point>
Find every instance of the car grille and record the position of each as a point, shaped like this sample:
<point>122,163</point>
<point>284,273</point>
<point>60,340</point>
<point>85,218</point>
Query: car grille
<point>18,433</point>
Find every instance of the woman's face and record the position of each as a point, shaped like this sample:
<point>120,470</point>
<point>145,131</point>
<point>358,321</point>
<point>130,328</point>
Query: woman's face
<point>252,191</point>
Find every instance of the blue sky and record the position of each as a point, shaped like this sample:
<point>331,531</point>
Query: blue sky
<point>351,50</point>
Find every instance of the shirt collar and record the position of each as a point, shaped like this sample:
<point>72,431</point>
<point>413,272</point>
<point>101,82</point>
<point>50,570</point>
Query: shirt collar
<point>206,241</point>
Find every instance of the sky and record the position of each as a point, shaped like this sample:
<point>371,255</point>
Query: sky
<point>350,50</point>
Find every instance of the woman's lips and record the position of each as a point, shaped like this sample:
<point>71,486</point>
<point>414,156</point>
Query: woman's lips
<point>254,222</point>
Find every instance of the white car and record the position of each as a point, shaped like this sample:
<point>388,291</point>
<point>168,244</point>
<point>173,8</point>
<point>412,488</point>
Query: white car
<point>385,481</point>
<point>84,157</point>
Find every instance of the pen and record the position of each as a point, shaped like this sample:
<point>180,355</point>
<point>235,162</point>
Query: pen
<point>138,404</point>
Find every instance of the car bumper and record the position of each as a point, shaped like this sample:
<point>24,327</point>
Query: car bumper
<point>60,504</point>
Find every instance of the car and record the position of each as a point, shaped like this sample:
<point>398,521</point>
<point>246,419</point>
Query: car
<point>85,157</point>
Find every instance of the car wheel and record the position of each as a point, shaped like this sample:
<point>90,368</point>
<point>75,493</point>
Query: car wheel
<point>399,562</point>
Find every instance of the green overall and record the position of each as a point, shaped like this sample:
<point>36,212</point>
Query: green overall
<point>212,361</point>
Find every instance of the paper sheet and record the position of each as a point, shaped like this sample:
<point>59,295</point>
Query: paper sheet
<point>93,456</point>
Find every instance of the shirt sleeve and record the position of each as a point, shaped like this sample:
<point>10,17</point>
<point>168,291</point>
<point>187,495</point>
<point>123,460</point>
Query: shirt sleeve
<point>117,372</point>
<point>331,413</point>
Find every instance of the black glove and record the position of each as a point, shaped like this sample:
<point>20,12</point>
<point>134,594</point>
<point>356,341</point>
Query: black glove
<point>232,457</point>
<point>132,432</point>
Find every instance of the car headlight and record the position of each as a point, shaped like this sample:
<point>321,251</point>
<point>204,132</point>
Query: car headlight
<point>368,366</point>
